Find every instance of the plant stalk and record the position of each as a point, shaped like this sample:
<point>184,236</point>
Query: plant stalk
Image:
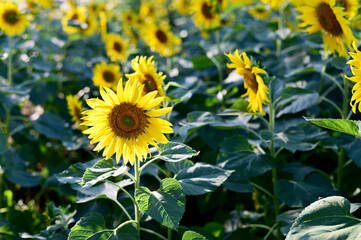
<point>136,186</point>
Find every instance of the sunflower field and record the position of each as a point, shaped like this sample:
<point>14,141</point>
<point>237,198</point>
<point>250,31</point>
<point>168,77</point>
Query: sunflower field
<point>180,119</point>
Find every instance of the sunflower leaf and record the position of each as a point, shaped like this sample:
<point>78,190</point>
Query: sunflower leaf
<point>175,152</point>
<point>340,125</point>
<point>166,205</point>
<point>327,218</point>
<point>190,235</point>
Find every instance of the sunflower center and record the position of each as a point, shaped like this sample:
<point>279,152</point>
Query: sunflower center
<point>108,76</point>
<point>129,17</point>
<point>11,17</point>
<point>149,83</point>
<point>162,37</point>
<point>207,10</point>
<point>127,121</point>
<point>74,17</point>
<point>117,47</point>
<point>328,20</point>
<point>77,113</point>
<point>250,80</point>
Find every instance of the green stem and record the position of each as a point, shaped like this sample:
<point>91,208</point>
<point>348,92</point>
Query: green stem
<point>136,186</point>
<point>147,163</point>
<point>170,234</point>
<point>274,171</point>
<point>124,223</point>
<point>320,99</point>
<point>261,188</point>
<point>125,191</point>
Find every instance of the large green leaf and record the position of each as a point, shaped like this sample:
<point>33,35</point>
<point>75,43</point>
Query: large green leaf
<point>165,205</point>
<point>103,190</point>
<point>176,167</point>
<point>101,171</point>
<point>175,152</point>
<point>202,178</point>
<point>92,227</point>
<point>327,218</point>
<point>190,235</point>
<point>345,126</point>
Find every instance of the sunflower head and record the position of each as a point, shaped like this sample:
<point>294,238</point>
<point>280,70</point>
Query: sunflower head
<point>125,122</point>
<point>116,47</point>
<point>75,15</point>
<point>106,75</point>
<point>259,12</point>
<point>75,108</point>
<point>355,64</point>
<point>205,13</point>
<point>12,21</point>
<point>350,7</point>
<point>257,91</point>
<point>145,73</point>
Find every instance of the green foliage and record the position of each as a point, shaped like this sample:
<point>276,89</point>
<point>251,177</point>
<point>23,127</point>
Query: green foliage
<point>340,125</point>
<point>190,235</point>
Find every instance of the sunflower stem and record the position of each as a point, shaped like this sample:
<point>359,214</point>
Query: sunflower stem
<point>170,234</point>
<point>136,186</point>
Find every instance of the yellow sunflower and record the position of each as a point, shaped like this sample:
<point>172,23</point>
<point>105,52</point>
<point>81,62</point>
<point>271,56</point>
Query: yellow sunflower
<point>45,3</point>
<point>128,18</point>
<point>323,16</point>
<point>146,74</point>
<point>205,13</point>
<point>77,16</point>
<point>275,4</point>
<point>355,64</point>
<point>161,40</point>
<point>124,123</point>
<point>88,27</point>
<point>12,21</point>
<point>116,47</point>
<point>350,7</point>
<point>259,12</point>
<point>75,108</point>
<point>257,91</point>
<point>106,75</point>
<point>182,6</point>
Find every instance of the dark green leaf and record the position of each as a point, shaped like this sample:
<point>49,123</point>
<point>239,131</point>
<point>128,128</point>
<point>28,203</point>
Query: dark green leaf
<point>202,178</point>
<point>128,232</point>
<point>293,139</point>
<point>175,152</point>
<point>103,190</point>
<point>345,126</point>
<point>176,167</point>
<point>165,205</point>
<point>327,218</point>
<point>287,219</point>
<point>235,144</point>
<point>190,235</point>
<point>202,62</point>
<point>3,143</point>
<point>241,105</point>
<point>339,62</point>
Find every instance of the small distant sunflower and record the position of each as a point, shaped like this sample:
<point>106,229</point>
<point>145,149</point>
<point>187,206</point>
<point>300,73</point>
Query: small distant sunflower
<point>257,91</point>
<point>350,7</point>
<point>12,21</point>
<point>205,13</point>
<point>75,108</point>
<point>88,27</point>
<point>259,12</point>
<point>323,16</point>
<point>182,6</point>
<point>146,74</point>
<point>275,4</point>
<point>116,47</point>
<point>124,123</point>
<point>106,75</point>
<point>75,15</point>
<point>128,18</point>
<point>160,39</point>
<point>355,64</point>
<point>45,3</point>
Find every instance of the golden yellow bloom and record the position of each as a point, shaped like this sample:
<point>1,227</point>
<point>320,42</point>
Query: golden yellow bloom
<point>45,3</point>
<point>246,2</point>
<point>75,15</point>
<point>146,74</point>
<point>106,75</point>
<point>124,123</point>
<point>88,27</point>
<point>116,47</point>
<point>12,21</point>
<point>75,108</point>
<point>205,13</point>
<point>129,18</point>
<point>259,12</point>
<point>160,39</point>
<point>323,16</point>
<point>350,7</point>
<point>355,64</point>
<point>257,91</point>
<point>275,4</point>
<point>182,6</point>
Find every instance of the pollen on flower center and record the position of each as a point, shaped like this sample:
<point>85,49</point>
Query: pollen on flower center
<point>207,11</point>
<point>328,20</point>
<point>108,76</point>
<point>117,47</point>
<point>250,80</point>
<point>127,121</point>
<point>149,83</point>
<point>11,17</point>
<point>162,37</point>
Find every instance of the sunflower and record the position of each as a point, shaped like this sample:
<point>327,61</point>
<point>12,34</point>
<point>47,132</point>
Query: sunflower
<point>128,18</point>
<point>146,74</point>
<point>88,27</point>
<point>125,122</point>
<point>12,22</point>
<point>355,64</point>
<point>106,75</point>
<point>116,47</point>
<point>350,7</point>
<point>259,12</point>
<point>275,4</point>
<point>323,16</point>
<point>257,91</point>
<point>160,39</point>
<point>205,13</point>
<point>182,6</point>
<point>45,3</point>
<point>77,16</point>
<point>75,108</point>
